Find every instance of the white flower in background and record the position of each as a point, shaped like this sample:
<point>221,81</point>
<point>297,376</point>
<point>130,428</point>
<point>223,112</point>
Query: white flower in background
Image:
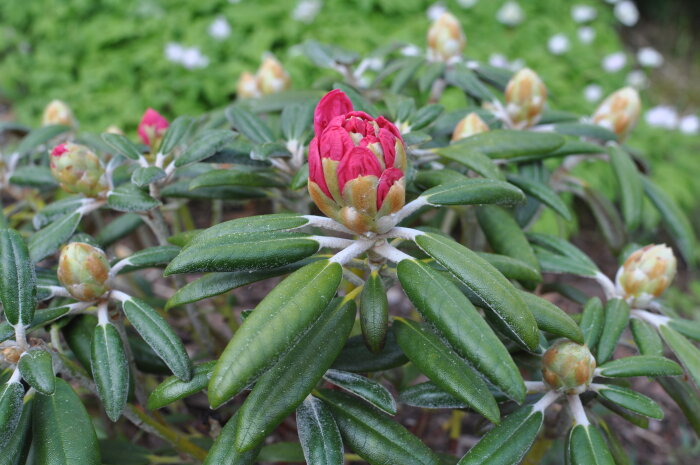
<point>593,92</point>
<point>516,65</point>
<point>498,61</point>
<point>614,62</point>
<point>306,10</point>
<point>662,116</point>
<point>558,44</point>
<point>627,13</point>
<point>466,4</point>
<point>637,79</point>
<point>375,63</point>
<point>436,10</point>
<point>583,13</point>
<point>174,52</point>
<point>689,124</point>
<point>510,14</point>
<point>586,34</point>
<point>411,50</point>
<point>220,29</point>
<point>650,57</point>
<point>192,58</point>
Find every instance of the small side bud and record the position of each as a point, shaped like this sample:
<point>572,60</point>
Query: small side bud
<point>619,112</point>
<point>468,126</point>
<point>152,127</point>
<point>568,367</point>
<point>58,112</point>
<point>526,95</point>
<point>646,274</point>
<point>446,39</point>
<point>78,170</point>
<point>247,86</point>
<point>114,129</point>
<point>84,271</point>
<point>271,77</point>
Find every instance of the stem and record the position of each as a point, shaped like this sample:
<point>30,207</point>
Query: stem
<point>385,223</point>
<point>391,253</point>
<point>607,285</point>
<point>651,318</point>
<point>333,242</point>
<point>536,386</point>
<point>577,410</point>
<point>326,223</point>
<point>102,315</point>
<point>56,291</point>
<point>352,278</point>
<point>546,400</point>
<point>21,336</point>
<point>403,233</point>
<point>352,251</point>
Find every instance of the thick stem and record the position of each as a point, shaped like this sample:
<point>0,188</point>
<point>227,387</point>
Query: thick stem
<point>352,251</point>
<point>577,410</point>
<point>546,400</point>
<point>391,253</point>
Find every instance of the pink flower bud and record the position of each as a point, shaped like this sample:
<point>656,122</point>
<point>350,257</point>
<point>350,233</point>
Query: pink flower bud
<point>152,127</point>
<point>646,273</point>
<point>356,164</point>
<point>446,39</point>
<point>526,95</point>
<point>468,126</point>
<point>619,112</point>
<point>78,170</point>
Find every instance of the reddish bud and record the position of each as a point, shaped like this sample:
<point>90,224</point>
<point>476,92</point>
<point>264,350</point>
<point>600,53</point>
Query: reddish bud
<point>152,127</point>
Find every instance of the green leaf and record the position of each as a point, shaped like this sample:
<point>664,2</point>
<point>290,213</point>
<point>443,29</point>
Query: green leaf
<point>368,389</point>
<point>143,176</point>
<point>204,146</point>
<point>543,193</point>
<point>592,322</point>
<point>282,452</point>
<point>78,334</point>
<point>275,325</point>
<point>296,119</point>
<point>62,430</point>
<point>122,146</point>
<point>47,240</point>
<point>120,227</point>
<point>495,294</point>
<point>285,386</point>
<point>640,365</point>
<point>374,312</point>
<point>551,318</point>
<point>506,143</point>
<point>687,353</point>
<point>646,337</point>
<point>39,137</point>
<point>223,452</point>
<point>431,71</point>
<point>357,358</point>
<point>17,279</point>
<point>606,215</point>
<point>444,367</point>
<point>674,219</point>
<point>39,177</point>
<point>231,177</point>
<point>151,257</point>
<point>41,318</point>
<point>129,198</point>
<point>586,446</point>
<point>512,268</point>
<point>425,116</point>
<point>36,368</point>
<point>16,449</point>
<point>57,209</point>
<point>507,443</point>
<point>426,179</point>
<point>249,125</point>
<point>159,336</point>
<point>429,395</point>
<point>301,178</point>
<point>464,78</point>
<point>176,131</point>
<point>617,315</point>
<point>630,184</point>
<point>173,388</point>
<point>372,435</point>
<point>442,304</point>
<point>587,130</point>
<point>472,159</point>
<point>254,224</point>
<point>11,405</point>
<point>123,452</point>
<point>631,400</point>
<point>318,433</point>
<point>406,72</point>
<point>690,329</point>
<point>474,191</point>
<point>237,252</point>
<point>561,247</point>
<point>110,369</point>
<point>684,395</point>
<point>504,234</point>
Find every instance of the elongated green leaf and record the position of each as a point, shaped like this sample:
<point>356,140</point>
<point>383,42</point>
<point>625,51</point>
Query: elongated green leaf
<point>318,433</point>
<point>551,318</point>
<point>159,336</point>
<point>588,130</point>
<point>110,369</point>
<point>143,176</point>
<point>630,185</point>
<point>301,178</point>
<point>36,369</point>
<point>431,71</point>
<point>474,191</point>
<point>176,131</point>
<point>427,179</point>
<point>689,329</point>
<point>632,400</point>
<point>493,292</point>
<point>684,395</point>
<point>57,209</point>
<point>628,415</point>
<point>39,177</point>
<point>285,386</point>
<point>464,78</point>
<point>15,450</point>
<point>562,247</point>
<point>640,365</point>
<point>687,353</point>
<point>17,279</point>
<point>424,116</point>
<point>250,251</point>
<point>472,159</point>
<point>122,146</point>
<point>41,318</point>
<point>275,325</point>
<point>204,146</point>
<point>554,263</point>
<point>507,443</point>
<point>357,358</point>
<point>443,304</point>
<point>410,67</point>
<point>586,446</point>
<point>543,193</point>
<point>647,338</point>
<point>592,322</point>
<point>62,431</point>
<point>150,258</point>
<point>118,228</point>
<point>249,125</point>
<point>429,395</point>
<point>40,136</point>
<point>606,215</point>
<point>372,435</point>
<point>78,335</point>
<point>504,234</point>
<point>512,268</point>
<point>504,143</point>
<point>173,388</point>
<point>368,389</point>
<point>223,452</point>
<point>617,315</point>
<point>296,119</point>
<point>11,406</point>
<point>255,224</point>
<point>129,198</point>
<point>229,177</point>
<point>444,367</point>
<point>374,312</point>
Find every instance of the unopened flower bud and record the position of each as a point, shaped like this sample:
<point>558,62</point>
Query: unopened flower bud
<point>247,86</point>
<point>356,164</point>
<point>446,39</point>
<point>114,129</point>
<point>468,126</point>
<point>58,112</point>
<point>271,77</point>
<point>152,127</point>
<point>526,95</point>
<point>568,367</point>
<point>84,271</point>
<point>78,170</point>
<point>619,112</point>
<point>11,354</point>
<point>646,273</point>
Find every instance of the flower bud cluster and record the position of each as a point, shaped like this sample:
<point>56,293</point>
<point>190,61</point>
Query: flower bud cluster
<point>271,78</point>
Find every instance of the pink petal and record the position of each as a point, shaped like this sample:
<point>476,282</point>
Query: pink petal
<point>154,120</point>
<point>389,177</point>
<point>334,142</point>
<point>360,161</point>
<point>59,150</point>
<point>333,104</point>
<point>316,167</point>
<point>388,141</point>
